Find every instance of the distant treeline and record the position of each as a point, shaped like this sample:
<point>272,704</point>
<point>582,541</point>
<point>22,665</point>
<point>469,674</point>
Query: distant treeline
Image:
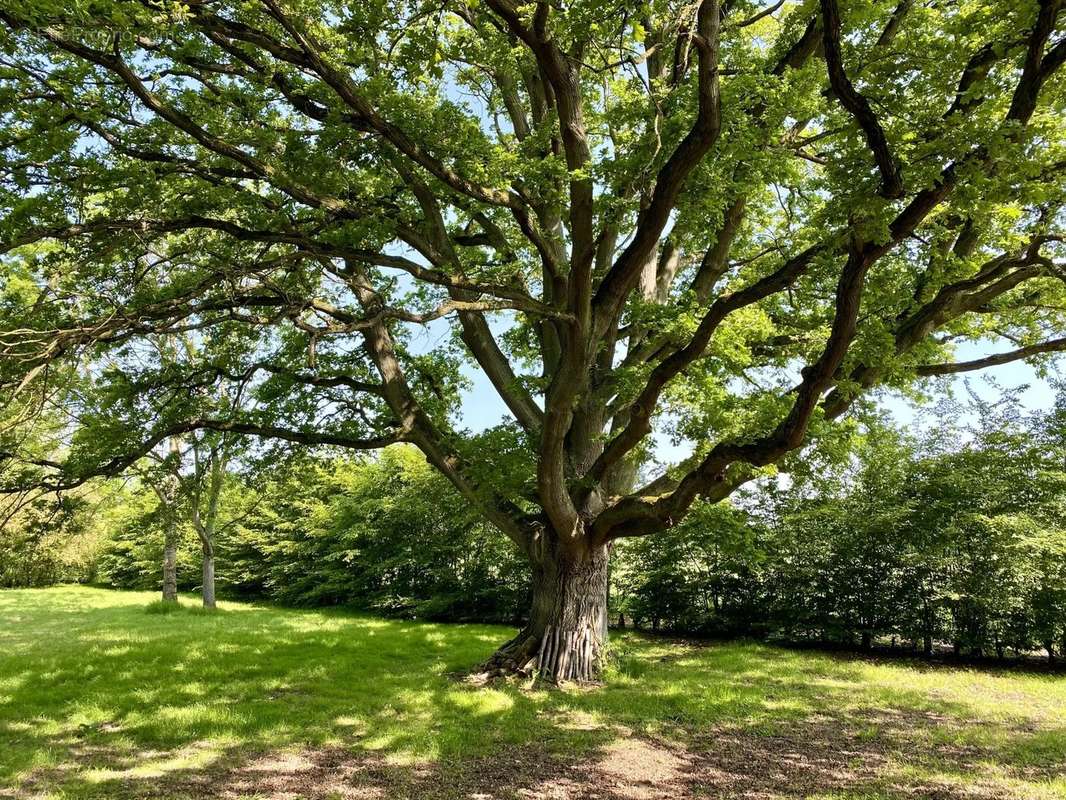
<point>952,542</point>
<point>962,549</point>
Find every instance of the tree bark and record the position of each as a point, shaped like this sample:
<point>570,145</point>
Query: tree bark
<point>168,494</point>
<point>565,638</point>
<point>215,471</point>
<point>208,589</point>
<point>170,562</point>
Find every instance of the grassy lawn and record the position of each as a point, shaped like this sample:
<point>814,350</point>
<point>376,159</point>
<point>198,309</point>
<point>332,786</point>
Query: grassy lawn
<point>100,697</point>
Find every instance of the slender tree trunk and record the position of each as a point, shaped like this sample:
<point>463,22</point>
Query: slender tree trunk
<point>927,630</point>
<point>205,524</point>
<point>168,497</point>
<point>170,562</point>
<point>208,590</point>
<point>565,638</point>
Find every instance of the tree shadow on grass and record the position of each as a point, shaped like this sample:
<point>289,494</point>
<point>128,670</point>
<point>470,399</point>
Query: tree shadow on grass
<point>261,702</point>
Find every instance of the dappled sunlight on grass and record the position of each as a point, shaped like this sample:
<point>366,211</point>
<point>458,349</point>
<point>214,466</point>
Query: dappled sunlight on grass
<point>98,697</point>
<point>149,765</point>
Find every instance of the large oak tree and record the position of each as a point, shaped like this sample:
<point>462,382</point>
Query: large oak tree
<point>720,221</point>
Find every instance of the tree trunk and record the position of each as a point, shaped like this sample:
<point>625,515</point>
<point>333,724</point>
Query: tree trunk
<point>566,636</point>
<point>170,562</point>
<point>208,589</point>
<point>168,497</point>
<point>205,524</point>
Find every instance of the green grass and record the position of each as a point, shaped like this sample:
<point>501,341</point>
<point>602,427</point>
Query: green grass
<point>100,697</point>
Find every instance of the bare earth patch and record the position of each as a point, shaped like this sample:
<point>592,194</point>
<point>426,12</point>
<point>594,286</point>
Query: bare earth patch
<point>804,759</point>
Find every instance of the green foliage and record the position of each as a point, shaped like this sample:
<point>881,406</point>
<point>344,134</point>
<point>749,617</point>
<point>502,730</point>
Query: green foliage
<point>133,552</point>
<point>325,197</point>
<point>957,539</point>
<point>48,540</point>
<point>953,540</point>
<point>386,534</point>
<point>704,576</point>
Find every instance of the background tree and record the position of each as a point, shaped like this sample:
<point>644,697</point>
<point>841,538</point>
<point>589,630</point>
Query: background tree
<point>163,475</point>
<point>200,471</point>
<point>188,478</point>
<point>186,471</point>
<point>717,221</point>
<point>211,453</point>
<point>324,530</point>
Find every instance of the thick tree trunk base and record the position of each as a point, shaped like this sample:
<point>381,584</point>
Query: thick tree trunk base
<point>556,656</point>
<point>565,639</point>
<point>572,655</point>
<point>516,659</point>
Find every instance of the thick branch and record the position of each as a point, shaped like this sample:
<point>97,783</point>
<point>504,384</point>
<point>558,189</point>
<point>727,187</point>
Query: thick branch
<point>640,515</point>
<point>671,178</point>
<point>643,408</point>
<point>1050,346</point>
<point>856,104</point>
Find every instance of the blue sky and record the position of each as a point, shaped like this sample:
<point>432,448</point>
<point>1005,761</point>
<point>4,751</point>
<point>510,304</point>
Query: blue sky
<point>1037,395</point>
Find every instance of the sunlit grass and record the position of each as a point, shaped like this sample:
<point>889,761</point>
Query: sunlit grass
<point>99,696</point>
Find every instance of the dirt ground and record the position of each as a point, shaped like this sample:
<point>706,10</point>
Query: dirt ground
<point>810,759</point>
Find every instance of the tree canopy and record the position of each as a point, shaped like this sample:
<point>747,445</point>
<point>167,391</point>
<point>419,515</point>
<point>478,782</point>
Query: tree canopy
<point>722,222</point>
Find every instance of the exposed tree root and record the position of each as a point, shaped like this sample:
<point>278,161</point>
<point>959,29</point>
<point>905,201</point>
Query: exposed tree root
<point>555,656</point>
